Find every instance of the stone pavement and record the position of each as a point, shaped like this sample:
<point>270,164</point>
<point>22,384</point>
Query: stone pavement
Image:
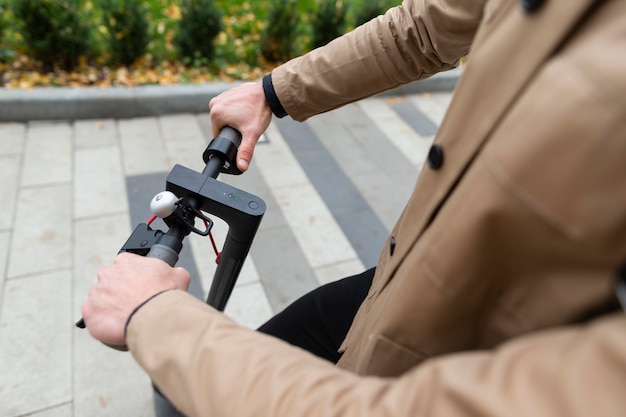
<point>73,191</point>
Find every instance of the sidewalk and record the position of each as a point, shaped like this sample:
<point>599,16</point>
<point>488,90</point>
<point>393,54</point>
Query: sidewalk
<point>73,191</point>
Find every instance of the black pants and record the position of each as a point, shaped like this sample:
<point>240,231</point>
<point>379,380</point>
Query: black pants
<point>319,320</point>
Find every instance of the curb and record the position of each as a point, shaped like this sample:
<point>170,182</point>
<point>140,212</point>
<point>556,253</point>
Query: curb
<point>65,103</point>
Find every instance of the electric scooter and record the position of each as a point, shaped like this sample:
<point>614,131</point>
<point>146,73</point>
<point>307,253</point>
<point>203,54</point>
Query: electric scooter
<point>188,195</point>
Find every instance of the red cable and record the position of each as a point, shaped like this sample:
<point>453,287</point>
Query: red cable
<point>218,254</point>
<point>153,218</point>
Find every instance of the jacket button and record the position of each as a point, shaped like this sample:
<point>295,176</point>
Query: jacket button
<point>435,157</point>
<point>530,6</point>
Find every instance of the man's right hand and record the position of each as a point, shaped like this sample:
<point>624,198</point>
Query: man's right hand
<point>245,109</point>
<point>121,288</point>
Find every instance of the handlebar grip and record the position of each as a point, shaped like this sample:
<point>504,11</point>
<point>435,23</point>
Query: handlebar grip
<point>164,253</point>
<point>231,134</point>
<point>225,147</point>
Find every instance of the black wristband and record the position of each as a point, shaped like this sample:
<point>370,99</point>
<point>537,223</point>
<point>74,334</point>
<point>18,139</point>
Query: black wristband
<point>271,98</point>
<point>136,309</point>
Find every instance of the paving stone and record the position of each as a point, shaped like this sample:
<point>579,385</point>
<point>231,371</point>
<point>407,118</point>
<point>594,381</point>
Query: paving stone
<point>340,142</point>
<point>4,253</point>
<point>315,229</point>
<point>107,382</point>
<point>330,273</point>
<point>184,140</point>
<point>180,127</point>
<point>386,158</point>
<point>276,161</point>
<point>376,186</point>
<point>47,155</point>
<point>385,196</point>
<point>36,343</point>
<point>410,143</point>
<point>9,178</point>
<point>283,267</point>
<point>249,306</point>
<point>434,105</point>
<point>99,186</point>
<point>143,147</point>
<point>414,118</point>
<point>204,122</point>
<point>366,235</point>
<point>318,233</point>
<point>95,132</point>
<point>62,410</point>
<point>42,233</point>
<point>12,138</point>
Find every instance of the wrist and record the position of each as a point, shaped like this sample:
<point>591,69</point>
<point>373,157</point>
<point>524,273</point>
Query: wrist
<point>136,309</point>
<point>271,98</point>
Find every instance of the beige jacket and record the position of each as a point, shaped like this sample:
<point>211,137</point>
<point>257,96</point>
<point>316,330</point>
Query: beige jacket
<point>518,226</point>
<point>226,370</point>
<point>523,225</point>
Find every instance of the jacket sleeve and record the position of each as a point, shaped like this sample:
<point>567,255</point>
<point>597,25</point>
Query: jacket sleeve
<point>410,42</point>
<point>208,365</point>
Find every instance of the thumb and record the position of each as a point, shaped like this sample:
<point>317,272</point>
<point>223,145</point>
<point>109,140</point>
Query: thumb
<point>245,152</point>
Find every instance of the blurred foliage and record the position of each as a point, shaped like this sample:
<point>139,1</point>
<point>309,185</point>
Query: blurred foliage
<point>279,38</point>
<point>127,29</point>
<point>236,54</point>
<point>329,22</point>
<point>366,10</point>
<point>54,31</point>
<point>4,51</point>
<point>200,23</point>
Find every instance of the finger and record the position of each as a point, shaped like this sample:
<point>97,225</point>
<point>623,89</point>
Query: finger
<point>214,114</point>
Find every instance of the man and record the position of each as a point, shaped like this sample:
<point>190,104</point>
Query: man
<point>516,226</point>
